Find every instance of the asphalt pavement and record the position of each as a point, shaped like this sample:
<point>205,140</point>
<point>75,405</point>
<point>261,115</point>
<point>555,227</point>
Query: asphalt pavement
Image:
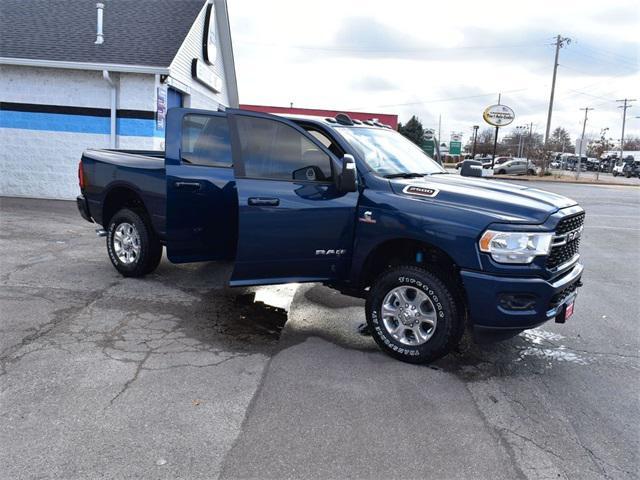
<point>175,376</point>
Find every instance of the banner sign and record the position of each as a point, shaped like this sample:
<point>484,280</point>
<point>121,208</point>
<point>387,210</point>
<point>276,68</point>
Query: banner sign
<point>161,107</point>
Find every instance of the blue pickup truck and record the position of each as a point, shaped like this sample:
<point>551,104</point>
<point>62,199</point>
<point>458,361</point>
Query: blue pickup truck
<point>350,204</point>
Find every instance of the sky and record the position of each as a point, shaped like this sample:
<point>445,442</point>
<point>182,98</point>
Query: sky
<point>448,59</point>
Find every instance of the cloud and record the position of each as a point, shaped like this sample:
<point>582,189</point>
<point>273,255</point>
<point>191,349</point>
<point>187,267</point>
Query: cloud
<point>446,58</point>
<point>372,84</point>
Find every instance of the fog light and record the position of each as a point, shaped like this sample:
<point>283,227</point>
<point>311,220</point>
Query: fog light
<point>517,301</point>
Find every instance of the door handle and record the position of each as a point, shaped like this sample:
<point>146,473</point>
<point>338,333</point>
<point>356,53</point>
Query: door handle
<point>188,185</point>
<point>264,202</point>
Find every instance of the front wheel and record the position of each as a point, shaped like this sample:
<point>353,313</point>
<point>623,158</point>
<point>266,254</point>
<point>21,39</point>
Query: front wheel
<point>413,316</point>
<point>132,244</point>
<point>614,173</point>
<point>502,172</point>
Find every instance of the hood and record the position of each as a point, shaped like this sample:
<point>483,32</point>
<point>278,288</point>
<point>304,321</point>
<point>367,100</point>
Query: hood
<point>505,202</point>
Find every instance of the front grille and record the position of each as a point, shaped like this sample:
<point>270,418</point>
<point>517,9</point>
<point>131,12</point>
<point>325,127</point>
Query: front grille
<point>563,253</point>
<point>570,223</point>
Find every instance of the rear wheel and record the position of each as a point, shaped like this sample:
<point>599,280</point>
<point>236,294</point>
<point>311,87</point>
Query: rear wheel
<point>614,173</point>
<point>413,316</point>
<point>530,172</point>
<point>502,172</point>
<point>133,247</point>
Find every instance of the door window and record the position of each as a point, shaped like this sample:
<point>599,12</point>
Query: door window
<point>205,141</point>
<point>276,151</point>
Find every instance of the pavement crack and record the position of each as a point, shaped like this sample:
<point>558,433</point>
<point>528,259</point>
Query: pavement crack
<point>132,380</point>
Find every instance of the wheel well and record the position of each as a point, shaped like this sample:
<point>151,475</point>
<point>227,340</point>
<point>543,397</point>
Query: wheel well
<point>117,199</point>
<point>413,252</point>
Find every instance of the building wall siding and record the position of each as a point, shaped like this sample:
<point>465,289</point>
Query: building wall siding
<point>201,96</point>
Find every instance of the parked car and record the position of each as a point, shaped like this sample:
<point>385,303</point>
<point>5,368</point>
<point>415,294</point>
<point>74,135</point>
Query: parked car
<point>486,163</point>
<point>355,206</point>
<point>593,164</point>
<point>515,166</point>
<point>555,164</point>
<point>573,161</point>
<point>606,164</point>
<point>625,167</point>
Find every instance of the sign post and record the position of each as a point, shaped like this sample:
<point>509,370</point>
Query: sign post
<point>498,116</point>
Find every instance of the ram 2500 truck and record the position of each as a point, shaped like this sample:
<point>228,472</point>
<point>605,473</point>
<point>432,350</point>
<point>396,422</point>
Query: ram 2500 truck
<point>353,205</point>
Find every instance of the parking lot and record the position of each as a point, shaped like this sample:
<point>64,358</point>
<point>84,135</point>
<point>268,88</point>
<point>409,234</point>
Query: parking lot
<point>176,376</point>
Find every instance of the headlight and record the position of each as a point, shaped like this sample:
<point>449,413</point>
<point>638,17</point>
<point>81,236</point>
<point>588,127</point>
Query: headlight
<point>515,247</point>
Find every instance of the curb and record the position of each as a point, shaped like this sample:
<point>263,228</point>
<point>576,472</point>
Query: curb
<point>550,180</point>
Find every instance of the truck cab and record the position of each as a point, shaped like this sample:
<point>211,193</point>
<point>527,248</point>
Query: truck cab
<point>353,205</point>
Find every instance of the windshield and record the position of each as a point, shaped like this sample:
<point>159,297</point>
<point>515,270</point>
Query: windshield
<point>387,152</point>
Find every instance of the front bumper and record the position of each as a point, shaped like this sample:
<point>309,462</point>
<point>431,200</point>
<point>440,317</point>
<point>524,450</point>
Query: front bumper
<point>502,303</point>
<point>83,208</point>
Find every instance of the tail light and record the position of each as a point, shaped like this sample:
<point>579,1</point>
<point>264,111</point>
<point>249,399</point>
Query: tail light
<point>81,179</point>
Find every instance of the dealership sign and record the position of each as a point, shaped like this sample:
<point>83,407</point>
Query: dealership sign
<point>201,72</point>
<point>209,49</point>
<point>498,115</point>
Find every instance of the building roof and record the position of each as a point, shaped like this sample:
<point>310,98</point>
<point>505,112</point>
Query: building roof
<point>141,32</point>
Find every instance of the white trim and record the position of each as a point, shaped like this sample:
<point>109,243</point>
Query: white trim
<point>227,52</point>
<point>178,85</point>
<point>112,67</point>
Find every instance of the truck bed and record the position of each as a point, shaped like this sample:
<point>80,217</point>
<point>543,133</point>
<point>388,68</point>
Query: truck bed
<point>142,171</point>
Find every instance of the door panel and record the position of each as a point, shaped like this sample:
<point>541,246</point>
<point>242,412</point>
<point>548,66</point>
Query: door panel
<point>202,204</point>
<point>288,229</point>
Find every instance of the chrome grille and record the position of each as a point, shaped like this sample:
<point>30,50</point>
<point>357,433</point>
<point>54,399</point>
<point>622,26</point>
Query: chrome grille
<point>566,242</point>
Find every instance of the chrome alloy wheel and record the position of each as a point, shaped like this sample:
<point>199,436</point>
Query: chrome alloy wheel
<point>126,243</point>
<point>409,315</point>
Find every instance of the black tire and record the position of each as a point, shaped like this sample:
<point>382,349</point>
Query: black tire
<point>502,172</point>
<point>530,172</point>
<point>150,248</point>
<point>614,173</point>
<point>449,326</point>
<point>628,175</point>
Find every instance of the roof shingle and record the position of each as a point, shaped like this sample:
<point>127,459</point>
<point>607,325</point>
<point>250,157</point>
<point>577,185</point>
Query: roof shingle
<point>136,32</point>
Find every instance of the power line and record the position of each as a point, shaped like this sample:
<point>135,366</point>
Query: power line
<point>402,50</point>
<point>607,53</point>
<point>450,99</point>
<point>616,63</point>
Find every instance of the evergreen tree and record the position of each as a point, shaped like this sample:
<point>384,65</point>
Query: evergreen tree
<point>413,130</point>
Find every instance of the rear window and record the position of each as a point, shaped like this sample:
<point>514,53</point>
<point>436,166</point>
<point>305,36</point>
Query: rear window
<point>205,141</point>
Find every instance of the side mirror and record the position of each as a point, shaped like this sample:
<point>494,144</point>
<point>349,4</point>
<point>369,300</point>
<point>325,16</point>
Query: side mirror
<point>347,181</point>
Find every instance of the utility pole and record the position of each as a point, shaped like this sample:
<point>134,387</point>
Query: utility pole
<point>560,42</point>
<point>624,106</point>
<point>528,144</point>
<point>584,126</point>
<point>475,138</point>
<point>439,125</point>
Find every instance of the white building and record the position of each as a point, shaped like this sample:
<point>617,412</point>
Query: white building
<point>76,75</point>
